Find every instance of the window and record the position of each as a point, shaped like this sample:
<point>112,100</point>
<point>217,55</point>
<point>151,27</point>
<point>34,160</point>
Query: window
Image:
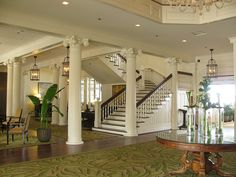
<point>225,91</point>
<point>93,92</point>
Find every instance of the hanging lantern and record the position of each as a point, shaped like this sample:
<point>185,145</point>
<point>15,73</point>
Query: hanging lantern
<point>66,64</point>
<point>34,71</point>
<point>212,67</point>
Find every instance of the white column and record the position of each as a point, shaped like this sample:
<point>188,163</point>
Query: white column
<point>89,92</point>
<point>16,85</point>
<point>74,112</point>
<point>85,92</point>
<point>55,76</point>
<point>97,121</point>
<point>9,88</point>
<point>130,110</point>
<point>174,84</point>
<point>233,41</point>
<point>63,100</point>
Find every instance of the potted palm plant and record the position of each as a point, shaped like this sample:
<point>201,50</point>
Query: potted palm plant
<point>44,132</point>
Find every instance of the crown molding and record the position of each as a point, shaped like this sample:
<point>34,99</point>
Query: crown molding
<point>166,14</point>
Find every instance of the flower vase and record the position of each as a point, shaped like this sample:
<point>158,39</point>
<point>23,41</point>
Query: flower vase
<point>221,121</point>
<point>209,123</point>
<point>201,118</point>
<point>190,121</point>
<point>215,117</point>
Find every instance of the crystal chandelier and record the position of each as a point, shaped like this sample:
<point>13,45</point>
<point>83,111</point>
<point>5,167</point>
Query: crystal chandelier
<point>34,71</point>
<point>66,63</point>
<point>197,5</point>
<point>211,67</point>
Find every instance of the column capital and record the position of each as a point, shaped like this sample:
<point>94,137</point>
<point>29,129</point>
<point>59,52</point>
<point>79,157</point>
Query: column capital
<point>130,51</point>
<point>17,60</point>
<point>232,40</point>
<point>74,40</point>
<point>174,60</point>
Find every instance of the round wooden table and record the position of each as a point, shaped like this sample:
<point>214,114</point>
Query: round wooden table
<point>201,153</point>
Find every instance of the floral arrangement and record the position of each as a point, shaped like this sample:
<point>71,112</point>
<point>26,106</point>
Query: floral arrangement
<point>203,99</point>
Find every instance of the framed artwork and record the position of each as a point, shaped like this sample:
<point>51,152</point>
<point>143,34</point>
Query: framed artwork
<point>42,88</point>
<point>117,88</point>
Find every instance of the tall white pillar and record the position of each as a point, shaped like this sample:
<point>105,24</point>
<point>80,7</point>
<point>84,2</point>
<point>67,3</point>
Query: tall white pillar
<point>89,92</point>
<point>55,76</point>
<point>74,112</point>
<point>63,100</point>
<point>85,92</point>
<point>9,88</point>
<point>233,41</point>
<point>16,88</point>
<point>174,84</point>
<point>130,110</point>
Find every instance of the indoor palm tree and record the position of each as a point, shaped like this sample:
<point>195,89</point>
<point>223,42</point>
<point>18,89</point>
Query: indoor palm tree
<point>51,93</point>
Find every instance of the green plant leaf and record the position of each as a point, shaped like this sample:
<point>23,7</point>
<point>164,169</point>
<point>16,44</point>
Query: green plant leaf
<point>35,100</point>
<point>58,110</point>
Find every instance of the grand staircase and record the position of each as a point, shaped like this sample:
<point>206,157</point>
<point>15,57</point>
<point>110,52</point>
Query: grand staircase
<point>152,103</point>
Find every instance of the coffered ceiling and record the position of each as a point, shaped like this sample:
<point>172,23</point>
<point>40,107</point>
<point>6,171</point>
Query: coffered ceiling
<point>25,21</point>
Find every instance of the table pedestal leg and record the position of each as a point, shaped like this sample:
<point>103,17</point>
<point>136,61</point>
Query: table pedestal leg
<point>185,164</point>
<point>201,163</point>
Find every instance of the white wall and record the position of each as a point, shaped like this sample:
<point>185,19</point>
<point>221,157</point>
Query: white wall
<point>156,63</point>
<point>106,91</point>
<point>31,87</point>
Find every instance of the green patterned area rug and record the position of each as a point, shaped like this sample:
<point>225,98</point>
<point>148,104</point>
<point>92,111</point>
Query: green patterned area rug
<point>141,160</point>
<point>59,133</point>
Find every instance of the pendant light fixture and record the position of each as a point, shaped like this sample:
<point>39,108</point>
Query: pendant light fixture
<point>212,67</point>
<point>34,71</point>
<point>66,64</point>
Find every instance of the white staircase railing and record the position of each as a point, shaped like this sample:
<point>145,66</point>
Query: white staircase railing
<point>112,104</point>
<point>154,99</point>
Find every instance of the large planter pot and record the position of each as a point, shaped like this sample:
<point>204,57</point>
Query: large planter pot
<point>228,118</point>
<point>44,134</point>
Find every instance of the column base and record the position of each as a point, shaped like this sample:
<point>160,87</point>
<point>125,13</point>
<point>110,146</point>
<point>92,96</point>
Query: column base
<point>74,143</point>
<point>131,134</point>
<point>62,124</point>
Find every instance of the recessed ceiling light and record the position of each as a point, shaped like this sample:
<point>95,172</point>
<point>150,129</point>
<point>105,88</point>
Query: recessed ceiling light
<point>65,3</point>
<point>184,40</point>
<point>137,25</point>
<point>99,19</point>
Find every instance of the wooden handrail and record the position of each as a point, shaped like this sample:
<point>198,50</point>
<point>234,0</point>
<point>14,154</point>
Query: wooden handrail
<point>114,96</point>
<point>123,58</point>
<point>118,93</point>
<point>151,92</point>
<point>185,73</point>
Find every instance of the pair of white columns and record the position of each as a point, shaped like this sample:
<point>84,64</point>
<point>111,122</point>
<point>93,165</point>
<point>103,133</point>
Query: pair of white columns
<point>13,86</point>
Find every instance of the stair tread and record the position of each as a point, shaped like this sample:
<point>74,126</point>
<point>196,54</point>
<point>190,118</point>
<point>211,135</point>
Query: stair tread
<point>106,123</point>
<point>119,120</point>
<point>117,115</point>
<point>110,129</point>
